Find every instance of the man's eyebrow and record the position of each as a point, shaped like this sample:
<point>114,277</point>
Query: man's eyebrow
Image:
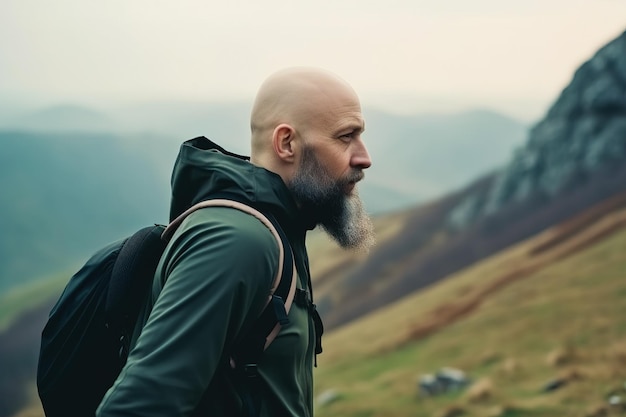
<point>352,127</point>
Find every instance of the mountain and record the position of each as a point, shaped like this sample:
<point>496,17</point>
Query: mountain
<point>425,156</point>
<point>428,155</point>
<point>574,158</point>
<point>415,157</point>
<point>78,177</point>
<point>67,194</point>
<point>582,137</point>
<point>62,117</point>
<point>530,254</point>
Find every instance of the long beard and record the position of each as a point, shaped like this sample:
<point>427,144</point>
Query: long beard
<point>342,216</point>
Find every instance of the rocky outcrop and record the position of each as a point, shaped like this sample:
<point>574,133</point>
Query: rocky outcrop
<point>582,135</point>
<point>571,168</point>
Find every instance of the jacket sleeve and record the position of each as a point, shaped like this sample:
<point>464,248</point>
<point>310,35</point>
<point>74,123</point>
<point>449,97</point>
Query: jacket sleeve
<point>216,274</point>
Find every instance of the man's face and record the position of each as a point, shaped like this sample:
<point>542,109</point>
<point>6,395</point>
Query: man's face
<point>331,129</point>
<point>330,159</point>
<point>333,200</point>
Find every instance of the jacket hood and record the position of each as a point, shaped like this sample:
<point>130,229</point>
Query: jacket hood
<point>205,170</point>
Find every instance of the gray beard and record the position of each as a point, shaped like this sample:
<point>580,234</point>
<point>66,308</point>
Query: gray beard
<point>342,216</point>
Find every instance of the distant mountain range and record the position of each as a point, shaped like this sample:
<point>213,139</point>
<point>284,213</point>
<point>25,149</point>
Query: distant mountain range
<point>67,192</point>
<point>415,157</point>
<point>79,177</point>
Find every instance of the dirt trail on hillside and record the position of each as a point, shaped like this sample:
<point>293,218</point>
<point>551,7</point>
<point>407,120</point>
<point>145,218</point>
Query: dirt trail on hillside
<point>553,245</point>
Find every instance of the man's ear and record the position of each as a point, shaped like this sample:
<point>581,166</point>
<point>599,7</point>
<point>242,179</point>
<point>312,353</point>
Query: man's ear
<point>283,142</point>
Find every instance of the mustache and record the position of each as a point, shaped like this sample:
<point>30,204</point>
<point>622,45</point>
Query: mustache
<point>354,176</point>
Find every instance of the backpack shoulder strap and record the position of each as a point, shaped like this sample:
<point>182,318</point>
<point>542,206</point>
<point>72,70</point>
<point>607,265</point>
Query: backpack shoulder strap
<point>284,285</point>
<point>132,274</point>
<point>247,352</point>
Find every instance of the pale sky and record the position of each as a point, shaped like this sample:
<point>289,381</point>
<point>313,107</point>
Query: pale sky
<point>400,55</point>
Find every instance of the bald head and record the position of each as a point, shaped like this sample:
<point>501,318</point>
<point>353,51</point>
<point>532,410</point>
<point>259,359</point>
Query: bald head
<point>300,98</point>
<point>306,127</point>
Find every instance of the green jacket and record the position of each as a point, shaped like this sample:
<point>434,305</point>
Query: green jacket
<point>210,285</point>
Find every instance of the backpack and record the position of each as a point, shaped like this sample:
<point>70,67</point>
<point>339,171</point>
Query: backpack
<point>85,342</point>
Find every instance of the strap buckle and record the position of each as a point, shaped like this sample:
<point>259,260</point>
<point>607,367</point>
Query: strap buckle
<point>250,370</point>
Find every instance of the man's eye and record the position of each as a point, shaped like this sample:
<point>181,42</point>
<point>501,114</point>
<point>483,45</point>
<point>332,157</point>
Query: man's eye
<point>347,136</point>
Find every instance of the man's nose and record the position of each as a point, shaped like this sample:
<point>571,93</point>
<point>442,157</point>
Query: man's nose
<point>361,157</point>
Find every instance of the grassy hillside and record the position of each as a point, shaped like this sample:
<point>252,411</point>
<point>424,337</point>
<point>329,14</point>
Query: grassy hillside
<point>422,248</point>
<point>549,309</point>
<point>23,312</point>
<point>27,297</point>
<point>68,194</point>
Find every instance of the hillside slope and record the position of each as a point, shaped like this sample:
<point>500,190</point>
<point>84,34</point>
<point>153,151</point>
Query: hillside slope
<point>549,309</point>
<point>66,195</point>
<point>574,158</point>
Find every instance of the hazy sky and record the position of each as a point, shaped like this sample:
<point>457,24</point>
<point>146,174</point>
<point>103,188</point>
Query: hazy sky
<point>407,55</point>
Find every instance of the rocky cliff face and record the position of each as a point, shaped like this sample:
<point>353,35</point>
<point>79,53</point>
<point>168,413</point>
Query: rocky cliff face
<point>571,168</point>
<point>583,135</point>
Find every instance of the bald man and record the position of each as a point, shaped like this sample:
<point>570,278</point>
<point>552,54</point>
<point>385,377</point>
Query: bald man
<point>217,270</point>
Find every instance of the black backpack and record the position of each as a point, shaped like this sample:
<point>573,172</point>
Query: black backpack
<point>85,342</point>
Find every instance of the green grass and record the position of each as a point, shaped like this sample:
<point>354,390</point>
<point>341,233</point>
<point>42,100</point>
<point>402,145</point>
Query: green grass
<point>572,310</point>
<point>15,302</point>
<point>565,319</point>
